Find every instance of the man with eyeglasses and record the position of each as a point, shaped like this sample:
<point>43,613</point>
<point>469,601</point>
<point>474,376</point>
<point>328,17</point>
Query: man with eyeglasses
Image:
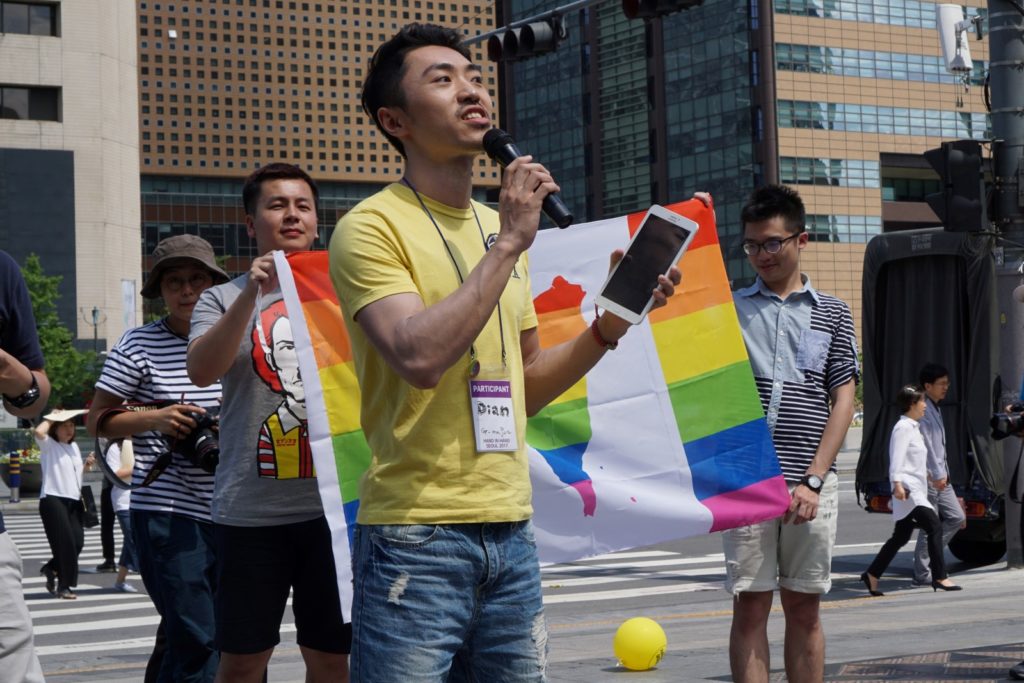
<point>803,353</point>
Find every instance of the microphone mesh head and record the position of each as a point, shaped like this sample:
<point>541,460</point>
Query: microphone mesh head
<point>495,139</point>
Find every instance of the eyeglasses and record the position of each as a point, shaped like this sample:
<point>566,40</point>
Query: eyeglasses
<point>198,280</point>
<point>772,246</point>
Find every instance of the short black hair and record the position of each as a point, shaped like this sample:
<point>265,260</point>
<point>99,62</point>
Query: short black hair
<point>276,171</point>
<point>932,373</point>
<point>770,201</point>
<point>382,83</point>
<point>908,396</point>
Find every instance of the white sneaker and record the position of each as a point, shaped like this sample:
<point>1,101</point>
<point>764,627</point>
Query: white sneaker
<point>125,587</point>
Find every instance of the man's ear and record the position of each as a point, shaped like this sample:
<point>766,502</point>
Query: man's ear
<point>392,120</point>
<point>250,228</point>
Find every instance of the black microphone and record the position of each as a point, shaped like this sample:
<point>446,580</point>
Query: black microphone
<point>500,146</point>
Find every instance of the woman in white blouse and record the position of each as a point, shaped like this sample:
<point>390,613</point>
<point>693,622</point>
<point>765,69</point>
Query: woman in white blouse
<point>60,501</point>
<point>908,472</point>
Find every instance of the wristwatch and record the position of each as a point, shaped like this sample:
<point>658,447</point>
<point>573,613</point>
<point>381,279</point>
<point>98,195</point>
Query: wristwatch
<point>26,399</point>
<point>813,482</point>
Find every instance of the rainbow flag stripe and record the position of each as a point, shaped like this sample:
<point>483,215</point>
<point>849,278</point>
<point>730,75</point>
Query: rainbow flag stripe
<point>334,408</point>
<point>561,431</point>
<point>735,470</point>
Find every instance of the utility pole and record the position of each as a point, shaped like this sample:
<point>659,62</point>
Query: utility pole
<point>1006,78</point>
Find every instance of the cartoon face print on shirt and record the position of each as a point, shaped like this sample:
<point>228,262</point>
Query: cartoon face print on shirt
<point>283,450</point>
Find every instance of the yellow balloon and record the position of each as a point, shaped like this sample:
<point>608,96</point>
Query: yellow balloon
<point>640,643</point>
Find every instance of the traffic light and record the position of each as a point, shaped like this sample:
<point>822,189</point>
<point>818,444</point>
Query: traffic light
<point>961,203</point>
<point>648,9</point>
<point>530,40</point>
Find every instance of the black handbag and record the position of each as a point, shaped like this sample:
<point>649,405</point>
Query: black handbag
<point>90,516</point>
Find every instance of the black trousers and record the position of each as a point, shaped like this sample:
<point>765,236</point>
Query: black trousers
<point>63,526</point>
<point>923,518</point>
<point>107,518</point>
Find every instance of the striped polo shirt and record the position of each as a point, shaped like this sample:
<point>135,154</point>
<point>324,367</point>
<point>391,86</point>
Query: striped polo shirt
<point>148,365</point>
<point>800,349</point>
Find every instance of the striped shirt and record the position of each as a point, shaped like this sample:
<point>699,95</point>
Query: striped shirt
<point>800,349</point>
<point>145,366</point>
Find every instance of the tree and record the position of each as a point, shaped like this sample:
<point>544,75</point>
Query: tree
<point>72,372</point>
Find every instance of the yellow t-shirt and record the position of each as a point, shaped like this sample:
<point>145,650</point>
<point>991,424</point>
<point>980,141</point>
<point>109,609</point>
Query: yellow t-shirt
<point>424,467</point>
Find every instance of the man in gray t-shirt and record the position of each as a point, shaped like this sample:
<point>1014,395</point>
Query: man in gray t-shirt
<point>259,482</point>
<point>270,532</point>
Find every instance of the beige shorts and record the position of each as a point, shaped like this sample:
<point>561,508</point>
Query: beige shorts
<point>772,555</point>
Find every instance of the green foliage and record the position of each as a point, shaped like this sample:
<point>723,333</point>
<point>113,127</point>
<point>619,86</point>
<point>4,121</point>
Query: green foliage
<point>72,372</point>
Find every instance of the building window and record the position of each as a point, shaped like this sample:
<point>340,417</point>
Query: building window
<point>35,104</point>
<point>28,18</point>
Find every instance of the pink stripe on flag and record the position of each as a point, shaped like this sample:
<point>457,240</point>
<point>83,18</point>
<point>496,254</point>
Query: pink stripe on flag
<point>764,500</point>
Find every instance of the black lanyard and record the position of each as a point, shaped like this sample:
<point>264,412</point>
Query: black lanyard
<point>474,365</point>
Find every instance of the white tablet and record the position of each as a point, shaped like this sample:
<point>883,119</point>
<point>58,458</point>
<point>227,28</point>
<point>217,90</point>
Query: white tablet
<point>656,246</point>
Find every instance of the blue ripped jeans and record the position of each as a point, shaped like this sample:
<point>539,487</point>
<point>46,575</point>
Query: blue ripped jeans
<point>454,602</point>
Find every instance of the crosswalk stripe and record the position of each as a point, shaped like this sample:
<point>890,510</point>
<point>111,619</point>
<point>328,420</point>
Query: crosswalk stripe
<point>92,609</point>
<point>105,625</point>
<point>585,567</point>
<point>626,593</point>
<point>622,578</point>
<point>44,597</point>
<point>113,645</point>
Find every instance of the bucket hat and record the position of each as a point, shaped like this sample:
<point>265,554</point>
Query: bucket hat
<point>177,251</point>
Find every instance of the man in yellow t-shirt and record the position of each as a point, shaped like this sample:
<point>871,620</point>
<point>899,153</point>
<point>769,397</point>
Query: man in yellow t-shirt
<point>436,292</point>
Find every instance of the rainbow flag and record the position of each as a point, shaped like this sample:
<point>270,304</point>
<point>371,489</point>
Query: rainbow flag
<point>664,438</point>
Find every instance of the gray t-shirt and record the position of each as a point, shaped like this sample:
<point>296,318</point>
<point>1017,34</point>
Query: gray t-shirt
<point>266,475</point>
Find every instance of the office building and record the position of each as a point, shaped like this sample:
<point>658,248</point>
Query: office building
<point>227,86</point>
<point>69,156</point>
<point>835,98</point>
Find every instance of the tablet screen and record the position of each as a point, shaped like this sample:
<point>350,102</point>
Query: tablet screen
<point>651,254</point>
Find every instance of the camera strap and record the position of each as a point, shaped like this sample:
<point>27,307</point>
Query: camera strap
<point>158,468</point>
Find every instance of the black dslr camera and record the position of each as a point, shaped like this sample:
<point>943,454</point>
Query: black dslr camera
<point>201,446</point>
<point>1010,423</point>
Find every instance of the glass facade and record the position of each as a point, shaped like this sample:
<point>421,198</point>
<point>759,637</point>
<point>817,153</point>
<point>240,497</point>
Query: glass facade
<point>909,189</point>
<point>910,13</point>
<point>624,111</point>
<point>548,106</point>
<point>833,172</point>
<point>835,228</point>
<point>866,118</point>
<point>712,124</point>
<point>898,66</point>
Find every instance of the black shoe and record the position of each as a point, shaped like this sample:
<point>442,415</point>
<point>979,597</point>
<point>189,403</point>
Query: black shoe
<point>51,579</point>
<point>936,586</point>
<point>107,567</point>
<point>1017,672</point>
<point>865,577</point>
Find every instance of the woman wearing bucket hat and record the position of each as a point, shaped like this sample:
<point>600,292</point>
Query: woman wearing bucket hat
<point>60,499</point>
<point>171,517</point>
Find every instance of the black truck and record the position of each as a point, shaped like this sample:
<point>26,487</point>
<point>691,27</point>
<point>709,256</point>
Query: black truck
<point>930,296</point>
